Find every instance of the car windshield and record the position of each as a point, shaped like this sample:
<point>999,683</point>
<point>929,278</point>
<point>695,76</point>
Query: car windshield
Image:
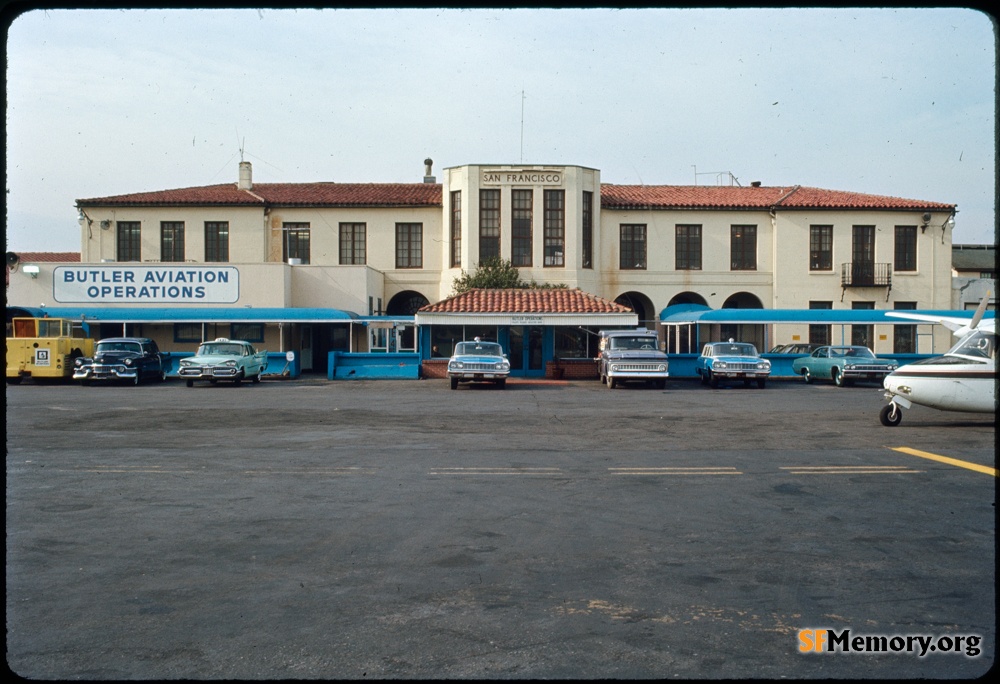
<point>735,350</point>
<point>852,352</point>
<point>981,344</point>
<point>105,347</point>
<point>637,342</point>
<point>478,348</point>
<point>216,349</point>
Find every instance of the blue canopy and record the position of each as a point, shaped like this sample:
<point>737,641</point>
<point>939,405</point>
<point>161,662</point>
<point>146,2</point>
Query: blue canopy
<point>690,314</point>
<point>206,314</point>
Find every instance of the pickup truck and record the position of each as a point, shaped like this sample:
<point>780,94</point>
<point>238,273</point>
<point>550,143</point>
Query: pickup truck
<point>632,355</point>
<point>224,359</point>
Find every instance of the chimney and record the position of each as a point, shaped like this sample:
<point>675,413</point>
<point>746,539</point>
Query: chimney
<point>246,176</point>
<point>755,184</point>
<point>428,178</point>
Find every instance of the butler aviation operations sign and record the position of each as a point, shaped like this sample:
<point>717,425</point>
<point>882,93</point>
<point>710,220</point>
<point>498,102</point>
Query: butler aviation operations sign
<point>146,284</point>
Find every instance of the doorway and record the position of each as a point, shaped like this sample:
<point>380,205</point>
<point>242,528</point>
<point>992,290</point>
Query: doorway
<point>525,354</point>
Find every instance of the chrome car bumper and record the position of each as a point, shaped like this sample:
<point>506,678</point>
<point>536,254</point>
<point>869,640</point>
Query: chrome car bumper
<point>98,373</point>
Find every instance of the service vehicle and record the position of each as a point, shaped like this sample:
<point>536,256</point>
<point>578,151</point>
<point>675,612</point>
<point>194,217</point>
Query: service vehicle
<point>122,359</point>
<point>223,359</point>
<point>44,348</point>
<point>478,361</point>
<point>732,361</point>
<point>632,356</point>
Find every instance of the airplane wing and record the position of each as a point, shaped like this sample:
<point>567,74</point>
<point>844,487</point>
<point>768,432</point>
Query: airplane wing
<point>958,326</point>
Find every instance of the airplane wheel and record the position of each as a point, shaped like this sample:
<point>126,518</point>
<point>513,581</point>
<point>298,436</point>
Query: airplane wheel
<point>890,415</point>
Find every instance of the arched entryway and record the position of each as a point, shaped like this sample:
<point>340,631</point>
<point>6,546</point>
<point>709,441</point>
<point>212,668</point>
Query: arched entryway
<point>641,305</point>
<point>406,303</point>
<point>682,339</point>
<point>755,334</point>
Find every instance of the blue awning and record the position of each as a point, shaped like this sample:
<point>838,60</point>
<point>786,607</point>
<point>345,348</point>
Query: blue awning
<point>691,314</point>
<point>192,314</point>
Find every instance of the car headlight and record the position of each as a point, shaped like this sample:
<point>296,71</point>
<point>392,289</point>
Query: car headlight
<point>231,363</point>
<point>850,366</point>
<point>762,366</point>
<point>129,362</point>
<point>662,367</point>
<point>457,365</point>
<point>78,362</point>
<point>718,364</point>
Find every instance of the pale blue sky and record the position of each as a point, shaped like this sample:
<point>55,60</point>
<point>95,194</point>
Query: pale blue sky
<point>894,102</point>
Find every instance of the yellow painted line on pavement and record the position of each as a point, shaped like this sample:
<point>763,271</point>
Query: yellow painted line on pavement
<point>986,470</point>
<point>848,470</point>
<point>694,470</point>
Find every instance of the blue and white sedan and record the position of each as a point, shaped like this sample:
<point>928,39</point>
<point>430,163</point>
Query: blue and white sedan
<point>844,365</point>
<point>478,361</point>
<point>732,361</point>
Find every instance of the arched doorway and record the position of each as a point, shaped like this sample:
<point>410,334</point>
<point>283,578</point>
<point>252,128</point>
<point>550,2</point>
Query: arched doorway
<point>406,303</point>
<point>755,334</point>
<point>681,339</point>
<point>642,306</point>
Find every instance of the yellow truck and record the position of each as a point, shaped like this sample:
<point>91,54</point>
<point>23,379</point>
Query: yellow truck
<point>43,348</point>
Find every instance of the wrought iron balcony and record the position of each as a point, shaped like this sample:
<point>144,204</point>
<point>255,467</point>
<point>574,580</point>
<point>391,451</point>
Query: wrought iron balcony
<point>865,274</point>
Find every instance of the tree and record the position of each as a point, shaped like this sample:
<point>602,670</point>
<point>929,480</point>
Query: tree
<point>495,273</point>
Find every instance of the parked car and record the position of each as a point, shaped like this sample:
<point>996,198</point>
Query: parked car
<point>224,359</point>
<point>795,348</point>
<point>121,359</point>
<point>844,365</point>
<point>632,355</point>
<point>732,361</point>
<point>478,361</point>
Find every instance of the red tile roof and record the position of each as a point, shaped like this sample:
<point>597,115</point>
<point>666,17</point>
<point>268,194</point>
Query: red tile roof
<point>429,195</point>
<point>48,257</point>
<point>560,300</point>
<point>285,194</point>
<point>733,197</point>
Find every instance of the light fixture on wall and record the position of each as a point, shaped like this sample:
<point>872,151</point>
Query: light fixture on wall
<point>31,270</point>
<point>105,224</point>
<point>927,220</point>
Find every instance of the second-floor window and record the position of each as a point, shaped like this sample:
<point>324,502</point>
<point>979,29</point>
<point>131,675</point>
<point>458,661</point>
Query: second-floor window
<point>295,244</point>
<point>353,244</point>
<point>906,249</point>
<point>687,248</point>
<point>409,245</point>
<point>489,224</point>
<point>632,246</point>
<point>819,333</point>
<point>129,241</point>
<point>456,228</point>
<point>171,241</point>
<point>820,248</point>
<point>743,248</point>
<point>588,230</point>
<point>554,227</point>
<point>520,227</point>
<point>217,241</point>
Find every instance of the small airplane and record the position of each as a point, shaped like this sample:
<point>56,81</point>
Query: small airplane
<point>964,379</point>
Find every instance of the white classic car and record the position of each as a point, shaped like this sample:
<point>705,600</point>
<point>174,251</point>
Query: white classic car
<point>478,361</point>
<point>223,359</point>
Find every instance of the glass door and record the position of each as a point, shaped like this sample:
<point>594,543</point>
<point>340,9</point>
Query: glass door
<point>525,353</point>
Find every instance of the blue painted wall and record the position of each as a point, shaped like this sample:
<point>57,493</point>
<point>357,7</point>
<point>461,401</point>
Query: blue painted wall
<point>365,366</point>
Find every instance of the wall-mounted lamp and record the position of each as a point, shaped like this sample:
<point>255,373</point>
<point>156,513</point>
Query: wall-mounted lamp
<point>105,224</point>
<point>31,270</point>
<point>923,226</point>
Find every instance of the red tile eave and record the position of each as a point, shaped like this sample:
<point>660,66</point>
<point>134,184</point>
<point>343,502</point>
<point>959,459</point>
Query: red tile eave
<point>285,194</point>
<point>552,301</point>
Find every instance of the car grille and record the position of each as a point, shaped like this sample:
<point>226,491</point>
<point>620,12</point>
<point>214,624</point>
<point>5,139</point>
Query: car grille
<point>868,369</point>
<point>106,371</point>
<point>479,367</point>
<point>740,366</point>
<point>637,367</point>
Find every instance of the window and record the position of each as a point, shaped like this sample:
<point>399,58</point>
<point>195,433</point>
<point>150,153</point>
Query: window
<point>904,337</point>
<point>588,229</point>
<point>906,249</point>
<point>249,332</point>
<point>216,240</point>
<point>187,332</point>
<point>295,243</point>
<point>863,335</point>
<point>352,243</point>
<point>489,224</point>
<point>555,227</point>
<point>456,228</point>
<point>409,245</point>
<point>520,227</point>
<point>688,248</point>
<point>171,241</point>
<point>632,246</point>
<point>820,248</point>
<point>863,246</point>
<point>743,248</point>
<point>819,333</point>
<point>129,241</point>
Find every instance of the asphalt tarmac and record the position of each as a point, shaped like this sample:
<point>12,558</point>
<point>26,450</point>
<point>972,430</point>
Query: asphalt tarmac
<point>307,529</point>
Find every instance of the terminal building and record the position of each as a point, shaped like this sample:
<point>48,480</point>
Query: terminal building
<point>323,267</point>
